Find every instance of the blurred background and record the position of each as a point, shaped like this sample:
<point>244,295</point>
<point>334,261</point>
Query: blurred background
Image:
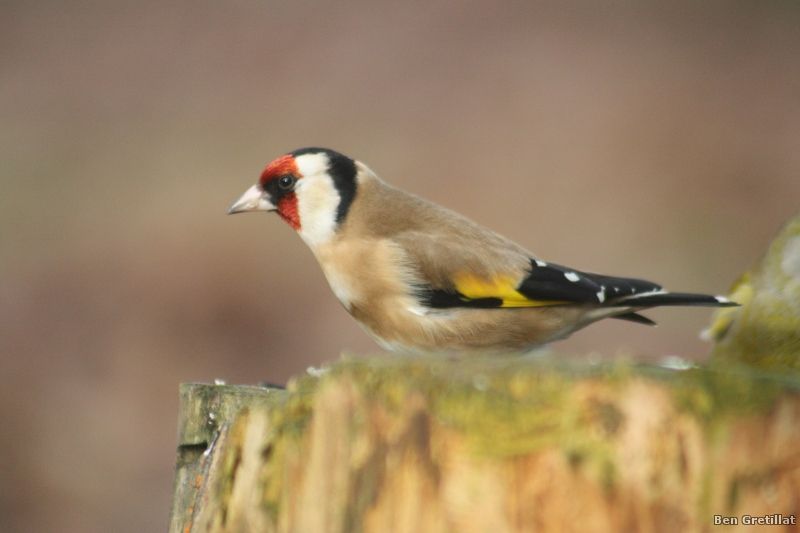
<point>631,138</point>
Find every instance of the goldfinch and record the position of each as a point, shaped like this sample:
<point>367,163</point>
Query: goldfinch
<point>765,330</point>
<point>420,278</point>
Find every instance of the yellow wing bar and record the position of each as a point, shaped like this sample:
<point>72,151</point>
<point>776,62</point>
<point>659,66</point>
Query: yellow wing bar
<point>502,287</point>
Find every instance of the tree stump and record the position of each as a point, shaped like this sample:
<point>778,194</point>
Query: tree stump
<point>204,417</point>
<point>492,445</point>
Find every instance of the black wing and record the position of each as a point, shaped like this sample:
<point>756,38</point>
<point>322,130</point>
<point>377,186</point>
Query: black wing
<point>549,282</point>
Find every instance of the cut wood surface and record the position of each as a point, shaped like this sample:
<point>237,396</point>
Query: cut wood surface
<point>491,445</point>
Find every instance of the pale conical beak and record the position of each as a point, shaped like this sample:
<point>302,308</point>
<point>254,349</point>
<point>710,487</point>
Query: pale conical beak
<point>253,200</point>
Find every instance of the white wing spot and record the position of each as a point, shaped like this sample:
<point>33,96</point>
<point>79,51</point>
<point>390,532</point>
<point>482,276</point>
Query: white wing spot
<point>572,276</point>
<point>722,299</point>
<point>601,296</point>
<point>540,263</point>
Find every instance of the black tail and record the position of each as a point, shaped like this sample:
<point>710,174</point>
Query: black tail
<point>674,298</point>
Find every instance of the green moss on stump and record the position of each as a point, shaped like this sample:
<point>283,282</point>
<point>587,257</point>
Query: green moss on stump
<point>349,441</point>
<point>512,406</point>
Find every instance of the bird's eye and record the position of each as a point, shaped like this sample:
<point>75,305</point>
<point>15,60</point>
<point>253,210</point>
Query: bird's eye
<point>286,182</point>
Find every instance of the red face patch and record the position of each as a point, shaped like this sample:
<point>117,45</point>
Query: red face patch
<point>288,211</point>
<point>285,164</point>
<point>287,203</point>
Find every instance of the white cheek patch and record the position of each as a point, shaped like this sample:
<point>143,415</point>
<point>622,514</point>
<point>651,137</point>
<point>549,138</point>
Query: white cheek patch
<point>317,202</point>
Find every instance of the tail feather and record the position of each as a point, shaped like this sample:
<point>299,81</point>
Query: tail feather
<point>660,298</point>
<point>634,317</point>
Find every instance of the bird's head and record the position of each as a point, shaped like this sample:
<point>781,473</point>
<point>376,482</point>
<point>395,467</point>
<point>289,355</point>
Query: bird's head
<point>311,189</point>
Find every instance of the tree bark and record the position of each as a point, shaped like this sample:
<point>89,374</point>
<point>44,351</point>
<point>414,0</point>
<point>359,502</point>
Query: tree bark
<point>495,445</point>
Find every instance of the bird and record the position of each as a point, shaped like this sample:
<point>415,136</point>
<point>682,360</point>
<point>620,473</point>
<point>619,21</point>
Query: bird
<point>765,331</point>
<point>422,279</point>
